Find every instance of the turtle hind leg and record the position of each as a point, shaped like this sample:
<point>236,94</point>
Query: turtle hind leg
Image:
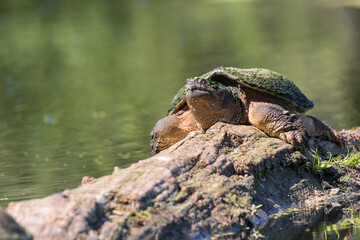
<point>318,128</point>
<point>278,122</point>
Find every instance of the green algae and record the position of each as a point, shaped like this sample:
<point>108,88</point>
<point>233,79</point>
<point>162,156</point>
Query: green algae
<point>258,78</point>
<point>142,214</point>
<point>273,82</point>
<point>179,96</point>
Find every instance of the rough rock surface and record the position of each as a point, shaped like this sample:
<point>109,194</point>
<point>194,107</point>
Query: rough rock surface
<point>230,181</point>
<point>9,229</point>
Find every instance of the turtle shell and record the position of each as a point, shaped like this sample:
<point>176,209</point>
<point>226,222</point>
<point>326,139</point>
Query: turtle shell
<point>256,78</point>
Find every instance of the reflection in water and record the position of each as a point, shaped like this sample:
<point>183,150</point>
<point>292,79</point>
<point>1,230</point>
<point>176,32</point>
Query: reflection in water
<point>351,21</point>
<point>317,222</point>
<point>82,84</point>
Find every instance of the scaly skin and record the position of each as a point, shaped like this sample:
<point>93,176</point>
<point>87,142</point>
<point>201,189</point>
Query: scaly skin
<point>276,119</point>
<point>292,128</point>
<point>210,106</point>
<point>172,129</point>
<point>278,122</point>
<point>318,128</point>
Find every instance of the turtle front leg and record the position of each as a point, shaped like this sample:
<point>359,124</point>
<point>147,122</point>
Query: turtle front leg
<point>318,128</point>
<point>280,123</point>
<point>172,129</point>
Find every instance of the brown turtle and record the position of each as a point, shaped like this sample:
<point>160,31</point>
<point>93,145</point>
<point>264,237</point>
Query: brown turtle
<point>260,97</point>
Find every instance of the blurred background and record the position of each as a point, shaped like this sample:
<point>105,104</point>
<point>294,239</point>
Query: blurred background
<point>83,82</point>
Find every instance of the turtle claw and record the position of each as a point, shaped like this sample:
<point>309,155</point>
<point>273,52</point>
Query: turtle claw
<point>341,140</point>
<point>334,136</point>
<point>296,138</point>
<point>323,131</point>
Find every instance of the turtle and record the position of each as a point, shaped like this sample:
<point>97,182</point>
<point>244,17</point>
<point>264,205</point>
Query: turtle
<point>255,96</point>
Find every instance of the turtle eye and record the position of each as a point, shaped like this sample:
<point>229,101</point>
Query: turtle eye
<point>202,81</point>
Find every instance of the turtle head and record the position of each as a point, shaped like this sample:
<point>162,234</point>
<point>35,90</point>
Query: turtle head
<point>211,101</point>
<point>203,89</point>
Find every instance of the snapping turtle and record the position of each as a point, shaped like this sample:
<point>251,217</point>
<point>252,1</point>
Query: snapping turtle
<point>260,97</point>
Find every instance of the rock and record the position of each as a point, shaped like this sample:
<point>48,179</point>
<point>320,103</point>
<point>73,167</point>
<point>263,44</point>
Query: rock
<point>231,181</point>
<point>9,229</point>
<point>87,179</point>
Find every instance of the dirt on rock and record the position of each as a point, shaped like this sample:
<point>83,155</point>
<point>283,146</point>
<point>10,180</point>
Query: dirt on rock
<point>232,181</point>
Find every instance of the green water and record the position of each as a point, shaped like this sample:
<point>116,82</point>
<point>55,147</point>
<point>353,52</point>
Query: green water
<point>83,82</point>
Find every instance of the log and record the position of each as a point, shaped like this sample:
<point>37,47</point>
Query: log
<point>10,229</point>
<point>232,181</point>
